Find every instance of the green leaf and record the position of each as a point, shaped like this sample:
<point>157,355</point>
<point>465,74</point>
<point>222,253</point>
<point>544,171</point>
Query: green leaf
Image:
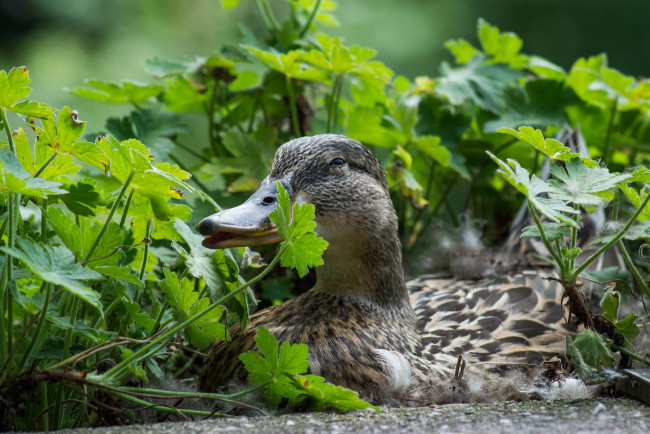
<point>532,187</point>
<point>17,180</point>
<point>590,354</point>
<point>550,147</point>
<point>211,265</point>
<point>476,83</point>
<point>118,93</point>
<point>629,327</point>
<point>502,47</point>
<point>302,248</point>
<point>185,303</point>
<point>581,184</point>
<point>57,265</point>
<point>462,50</point>
<point>431,146</point>
<point>229,4</point>
<point>609,304</point>
<point>81,198</point>
<point>553,231</point>
<point>639,230</point>
<point>33,109</point>
<point>80,237</point>
<point>13,87</point>
<point>282,366</point>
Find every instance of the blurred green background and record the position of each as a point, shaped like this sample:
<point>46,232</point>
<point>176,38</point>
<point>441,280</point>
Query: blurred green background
<point>65,41</point>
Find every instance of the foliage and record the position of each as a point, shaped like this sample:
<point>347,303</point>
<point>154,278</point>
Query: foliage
<point>101,271</point>
<point>281,366</point>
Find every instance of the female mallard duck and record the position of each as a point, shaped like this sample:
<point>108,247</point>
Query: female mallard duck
<point>365,329</point>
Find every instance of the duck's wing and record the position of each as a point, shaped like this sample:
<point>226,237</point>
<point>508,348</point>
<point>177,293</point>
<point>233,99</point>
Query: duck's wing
<point>499,320</point>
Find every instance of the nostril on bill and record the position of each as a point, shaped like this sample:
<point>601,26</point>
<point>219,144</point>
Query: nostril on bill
<point>205,227</point>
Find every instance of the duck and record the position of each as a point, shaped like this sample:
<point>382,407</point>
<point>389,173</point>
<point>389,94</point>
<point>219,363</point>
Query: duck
<point>367,329</point>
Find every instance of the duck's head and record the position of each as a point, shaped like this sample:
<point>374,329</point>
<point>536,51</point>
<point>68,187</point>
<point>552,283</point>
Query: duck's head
<point>354,213</point>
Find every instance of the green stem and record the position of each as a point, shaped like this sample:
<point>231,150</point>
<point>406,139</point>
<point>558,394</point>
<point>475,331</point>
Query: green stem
<point>44,221</point>
<point>177,394</point>
<point>312,15</point>
<point>111,307</point>
<point>632,267</point>
<point>110,215</point>
<point>66,353</point>
<point>556,257</point>
<point>39,327</point>
<point>137,355</point>
<point>292,107</point>
<point>275,26</point>
<point>44,165</point>
<point>612,241</point>
<point>163,308</point>
<point>145,258</point>
<point>211,122</point>
<point>10,139</point>
<point>574,235</point>
<point>610,127</point>
<point>125,213</point>
<point>631,354</point>
<point>333,103</point>
<point>165,408</point>
<point>45,422</point>
<point>3,333</point>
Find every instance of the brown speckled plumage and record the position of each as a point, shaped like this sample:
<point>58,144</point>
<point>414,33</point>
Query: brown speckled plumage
<point>361,304</point>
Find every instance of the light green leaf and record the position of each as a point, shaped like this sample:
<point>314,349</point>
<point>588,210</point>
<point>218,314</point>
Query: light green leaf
<point>532,187</point>
<point>609,304</point>
<point>118,93</point>
<point>553,231</point>
<point>302,247</point>
<point>431,146</point>
<point>13,87</point>
<point>57,265</point>
<point>581,184</point>
<point>185,303</point>
<point>17,180</point>
<point>639,230</point>
<point>629,327</point>
<point>211,265</point>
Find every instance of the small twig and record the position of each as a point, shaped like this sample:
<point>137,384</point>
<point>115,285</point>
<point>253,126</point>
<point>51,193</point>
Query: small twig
<point>125,246</point>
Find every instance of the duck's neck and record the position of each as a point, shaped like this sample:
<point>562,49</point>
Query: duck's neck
<point>369,269</point>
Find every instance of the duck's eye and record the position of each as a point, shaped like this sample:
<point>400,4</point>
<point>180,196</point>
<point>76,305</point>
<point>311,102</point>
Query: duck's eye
<point>338,161</point>
<point>268,200</point>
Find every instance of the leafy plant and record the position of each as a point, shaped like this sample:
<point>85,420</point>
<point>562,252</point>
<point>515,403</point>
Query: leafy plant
<point>102,274</point>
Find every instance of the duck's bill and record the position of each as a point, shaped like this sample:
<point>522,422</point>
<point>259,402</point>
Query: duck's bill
<point>227,239</point>
<point>246,225</point>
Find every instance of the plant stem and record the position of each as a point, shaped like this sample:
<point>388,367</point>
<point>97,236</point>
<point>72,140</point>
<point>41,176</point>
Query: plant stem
<point>125,212</point>
<point>111,307</point>
<point>312,15</point>
<point>178,394</point>
<point>165,408</point>
<point>292,107</point>
<point>332,107</point>
<point>558,259</point>
<point>145,258</point>
<point>3,333</point>
<point>110,215</point>
<point>632,267</point>
<point>39,327</point>
<point>274,26</point>
<point>610,127</point>
<point>137,355</point>
<point>45,423</point>
<point>66,353</point>
<point>44,222</point>
<point>10,139</point>
<point>631,354</point>
<point>44,165</point>
<point>612,241</point>
<point>211,123</point>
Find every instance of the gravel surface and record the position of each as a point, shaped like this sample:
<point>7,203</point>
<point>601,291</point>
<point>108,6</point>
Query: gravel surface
<point>611,415</point>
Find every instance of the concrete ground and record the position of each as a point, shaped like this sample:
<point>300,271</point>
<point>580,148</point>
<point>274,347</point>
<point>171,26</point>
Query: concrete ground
<point>610,415</point>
